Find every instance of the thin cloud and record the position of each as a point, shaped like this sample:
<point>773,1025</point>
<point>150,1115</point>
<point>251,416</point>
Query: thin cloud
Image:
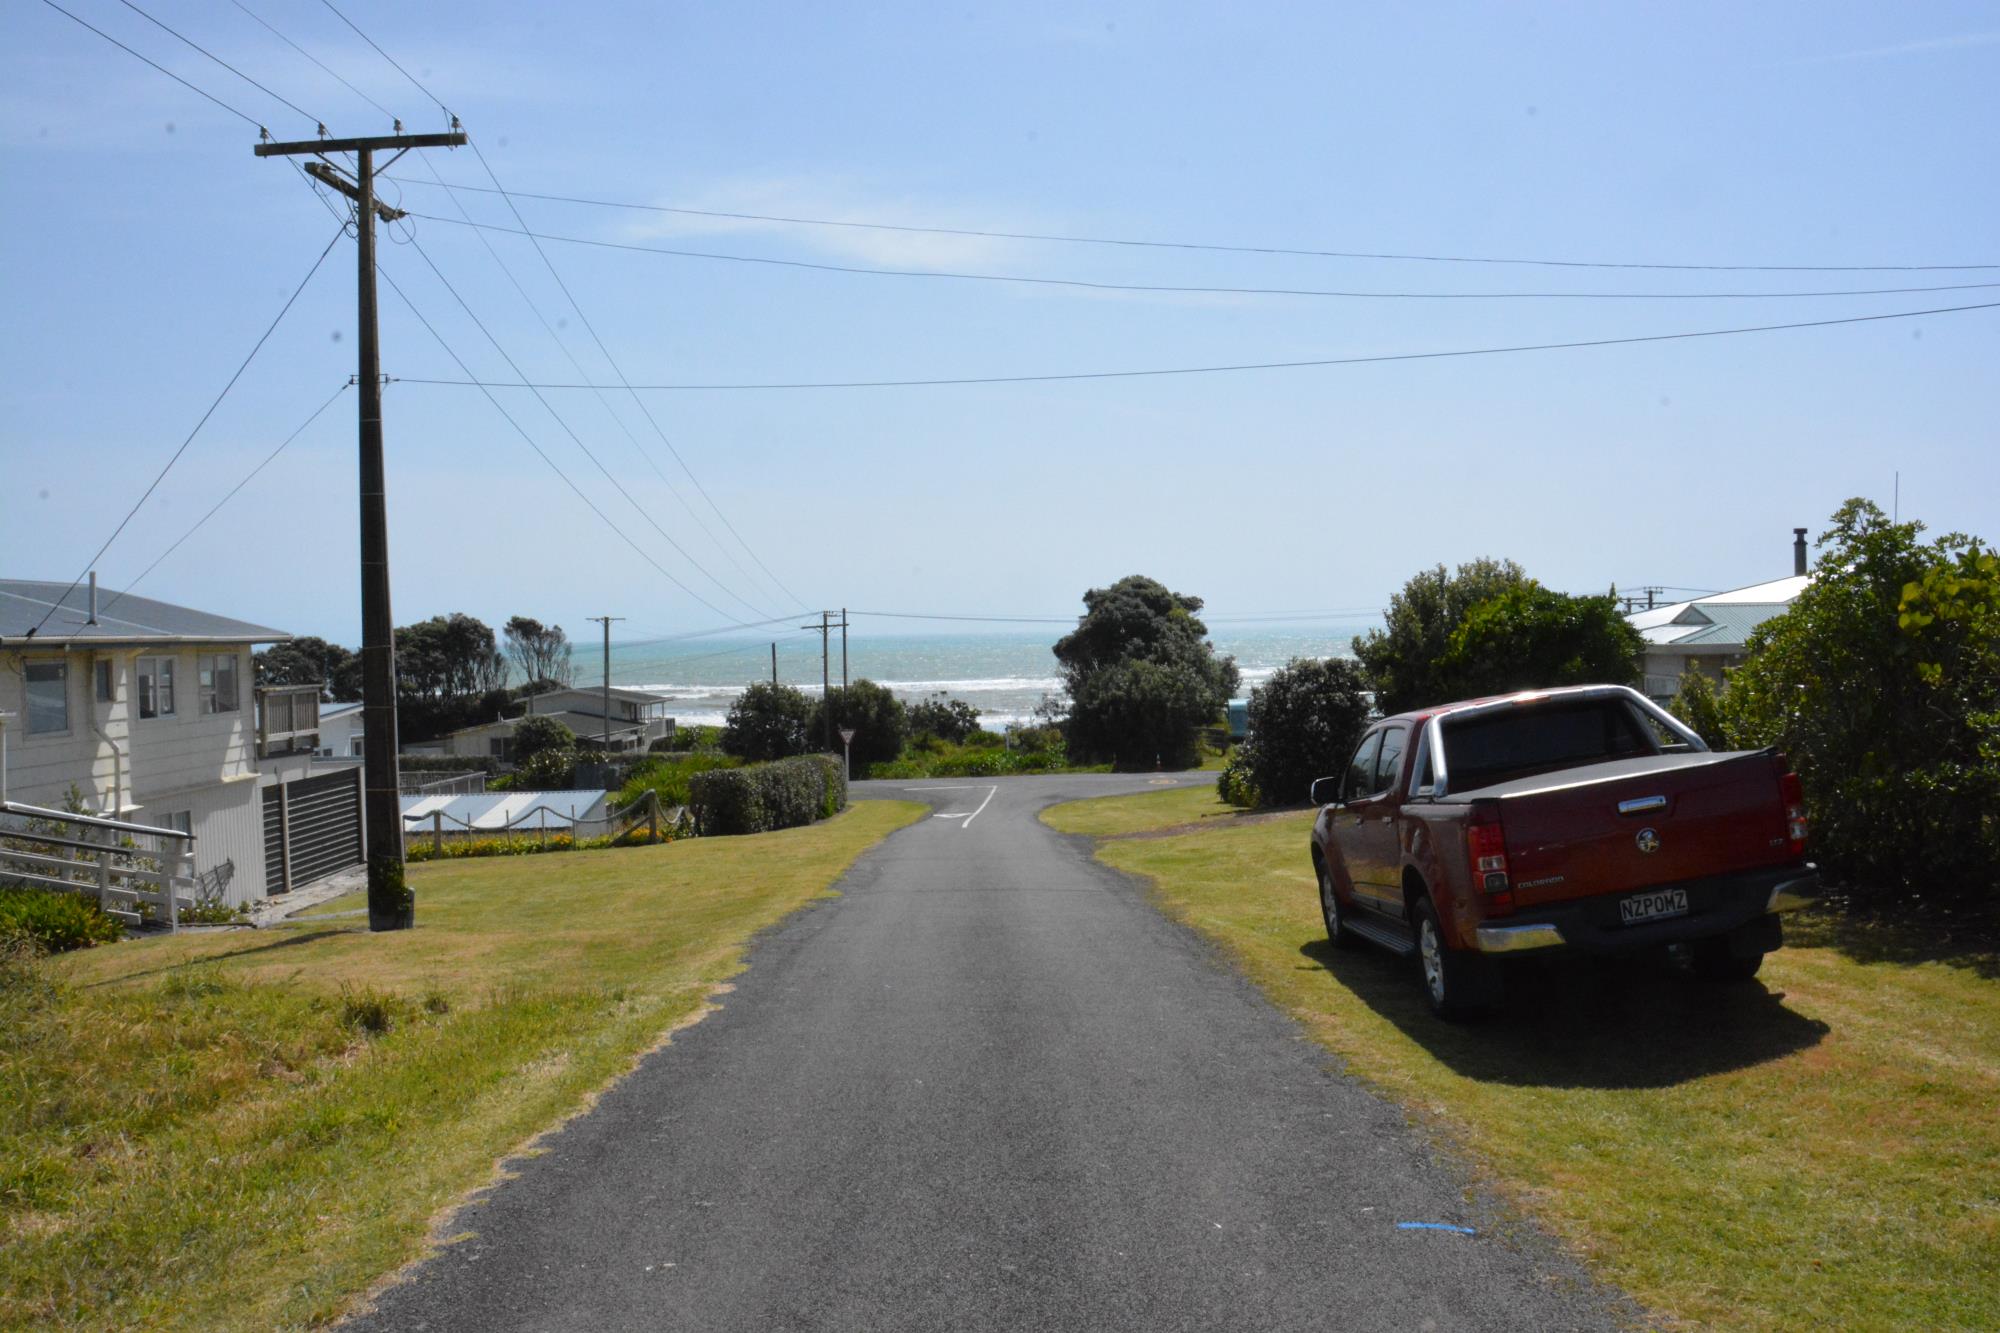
<point>1926,46</point>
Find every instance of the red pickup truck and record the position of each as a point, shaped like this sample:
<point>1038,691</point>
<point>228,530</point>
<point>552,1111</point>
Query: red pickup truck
<point>1585,820</point>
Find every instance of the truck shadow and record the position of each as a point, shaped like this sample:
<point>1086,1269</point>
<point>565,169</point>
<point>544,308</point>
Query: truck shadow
<point>1629,1023</point>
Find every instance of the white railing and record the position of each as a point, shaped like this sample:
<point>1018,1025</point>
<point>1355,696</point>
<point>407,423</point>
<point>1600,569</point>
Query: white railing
<point>100,858</point>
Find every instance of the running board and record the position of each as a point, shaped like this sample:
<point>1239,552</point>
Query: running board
<point>1388,936</point>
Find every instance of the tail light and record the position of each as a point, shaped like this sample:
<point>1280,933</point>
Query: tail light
<point>1486,856</point>
<point>1794,798</point>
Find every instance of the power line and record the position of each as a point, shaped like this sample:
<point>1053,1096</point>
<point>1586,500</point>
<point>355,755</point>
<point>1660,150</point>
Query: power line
<point>224,63</point>
<point>578,441</point>
<point>707,633</point>
<point>162,476</point>
<point>1253,365</point>
<point>951,275</point>
<point>249,477</point>
<point>541,453</point>
<point>386,56</point>
<point>247,119</point>
<point>315,59</point>
<point>990,234</point>
<point>617,370</point>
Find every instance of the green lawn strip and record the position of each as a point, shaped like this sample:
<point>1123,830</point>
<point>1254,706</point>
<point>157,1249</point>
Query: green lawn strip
<point>1822,1151</point>
<point>204,1131</point>
<point>1113,816</point>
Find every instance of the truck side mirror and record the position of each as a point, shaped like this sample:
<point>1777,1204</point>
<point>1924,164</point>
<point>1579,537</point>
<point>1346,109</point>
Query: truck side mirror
<point>1325,791</point>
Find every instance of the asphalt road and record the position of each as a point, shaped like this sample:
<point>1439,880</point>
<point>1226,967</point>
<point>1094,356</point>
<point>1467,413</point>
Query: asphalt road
<point>989,1087</point>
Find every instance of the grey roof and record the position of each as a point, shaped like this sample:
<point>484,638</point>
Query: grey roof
<point>121,618</point>
<point>596,694</point>
<point>583,724</point>
<point>1714,623</point>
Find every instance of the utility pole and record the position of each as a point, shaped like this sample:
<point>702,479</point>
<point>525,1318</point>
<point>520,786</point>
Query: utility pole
<point>606,622</point>
<point>843,648</point>
<point>774,663</point>
<point>825,681</point>
<point>391,905</point>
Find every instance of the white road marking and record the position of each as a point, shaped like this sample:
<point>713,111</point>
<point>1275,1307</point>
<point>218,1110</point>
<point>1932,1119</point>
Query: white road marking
<point>991,792</point>
<point>968,787</point>
<point>959,815</point>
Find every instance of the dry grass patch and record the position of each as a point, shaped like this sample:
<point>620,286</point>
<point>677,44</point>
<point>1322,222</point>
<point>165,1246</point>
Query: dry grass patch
<point>245,1130</point>
<point>1819,1150</point>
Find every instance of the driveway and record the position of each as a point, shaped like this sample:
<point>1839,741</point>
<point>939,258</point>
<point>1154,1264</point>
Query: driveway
<point>989,1087</point>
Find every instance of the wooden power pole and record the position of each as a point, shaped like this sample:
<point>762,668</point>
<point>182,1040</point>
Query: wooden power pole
<point>391,905</point>
<point>606,622</point>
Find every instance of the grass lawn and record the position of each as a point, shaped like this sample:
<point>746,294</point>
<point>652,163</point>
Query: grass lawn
<point>1821,1150</point>
<point>245,1130</point>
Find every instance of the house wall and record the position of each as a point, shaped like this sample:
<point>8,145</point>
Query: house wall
<point>147,770</point>
<point>1663,667</point>
<point>338,733</point>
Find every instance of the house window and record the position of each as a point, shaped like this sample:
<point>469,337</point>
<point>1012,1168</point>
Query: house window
<point>354,747</point>
<point>48,698</point>
<point>216,676</point>
<point>156,687</point>
<point>107,683</point>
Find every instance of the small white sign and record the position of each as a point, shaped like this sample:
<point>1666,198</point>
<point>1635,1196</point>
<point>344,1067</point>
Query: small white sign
<point>846,735</point>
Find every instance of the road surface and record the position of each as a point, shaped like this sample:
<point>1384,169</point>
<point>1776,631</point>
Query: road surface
<point>989,1087</point>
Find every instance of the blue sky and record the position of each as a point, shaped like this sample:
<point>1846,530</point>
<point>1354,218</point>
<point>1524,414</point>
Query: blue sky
<point>146,248</point>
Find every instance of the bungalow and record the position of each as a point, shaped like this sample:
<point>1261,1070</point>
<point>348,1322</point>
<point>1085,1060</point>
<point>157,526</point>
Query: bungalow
<point>143,711</point>
<point>637,719</point>
<point>1707,635</point>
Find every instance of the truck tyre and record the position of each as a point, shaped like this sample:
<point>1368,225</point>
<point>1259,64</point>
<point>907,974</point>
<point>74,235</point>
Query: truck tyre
<point>1458,984</point>
<point>1713,960</point>
<point>1333,913</point>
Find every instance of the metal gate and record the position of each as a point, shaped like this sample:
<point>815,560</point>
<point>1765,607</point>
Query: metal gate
<point>312,827</point>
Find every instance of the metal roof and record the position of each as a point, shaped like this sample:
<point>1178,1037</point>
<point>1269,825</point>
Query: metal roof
<point>595,693</point>
<point>1722,620</point>
<point>583,724</point>
<point>121,619</point>
<point>496,810</point>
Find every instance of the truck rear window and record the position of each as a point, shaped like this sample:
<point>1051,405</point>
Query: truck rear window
<point>1526,739</point>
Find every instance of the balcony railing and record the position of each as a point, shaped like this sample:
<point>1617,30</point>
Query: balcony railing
<point>287,719</point>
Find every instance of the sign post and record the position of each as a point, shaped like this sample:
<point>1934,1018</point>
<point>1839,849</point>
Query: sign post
<point>847,752</point>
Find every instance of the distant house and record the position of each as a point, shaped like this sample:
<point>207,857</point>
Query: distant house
<point>638,718</point>
<point>1706,634</point>
<point>146,712</point>
<point>340,731</point>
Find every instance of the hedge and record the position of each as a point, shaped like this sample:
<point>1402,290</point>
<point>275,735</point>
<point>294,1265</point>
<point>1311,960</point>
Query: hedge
<point>758,798</point>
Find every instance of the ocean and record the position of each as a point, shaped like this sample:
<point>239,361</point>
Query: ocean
<point>1003,675</point>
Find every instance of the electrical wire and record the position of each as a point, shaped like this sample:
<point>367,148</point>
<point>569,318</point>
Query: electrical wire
<point>162,475</point>
<point>249,477</point>
<point>386,56</point>
<point>555,467</point>
<point>587,451</point>
<point>224,63</point>
<point>1247,366</point>
<point>952,275</point>
<point>247,119</point>
<point>1233,249</point>
<point>617,370</point>
<point>315,59</point>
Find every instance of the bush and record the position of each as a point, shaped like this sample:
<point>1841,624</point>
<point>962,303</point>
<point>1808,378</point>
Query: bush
<point>56,921</point>
<point>683,739</point>
<point>759,798</point>
<point>947,719</point>
<point>1529,637</point>
<point>881,723</point>
<point>545,770</point>
<point>535,735</point>
<point>768,721</point>
<point>1881,683</point>
<point>669,776</point>
<point>1699,705</point>
<point>1400,660</point>
<point>1304,722</point>
<point>1141,675</point>
<point>1234,785</point>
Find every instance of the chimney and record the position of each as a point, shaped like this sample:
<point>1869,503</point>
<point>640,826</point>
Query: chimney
<point>93,598</point>
<point>1798,550</point>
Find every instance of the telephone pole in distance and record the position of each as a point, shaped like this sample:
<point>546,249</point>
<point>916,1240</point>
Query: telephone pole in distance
<point>606,622</point>
<point>391,905</point>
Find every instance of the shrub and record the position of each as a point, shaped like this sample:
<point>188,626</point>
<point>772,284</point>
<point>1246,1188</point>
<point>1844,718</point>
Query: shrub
<point>1699,704</point>
<point>56,921</point>
<point>947,719</point>
<point>758,798</point>
<point>768,721</point>
<point>881,723</point>
<point>1141,675</point>
<point>534,735</point>
<point>1234,783</point>
<point>1530,637</point>
<point>545,769</point>
<point>669,775</point>
<point>1304,722</point>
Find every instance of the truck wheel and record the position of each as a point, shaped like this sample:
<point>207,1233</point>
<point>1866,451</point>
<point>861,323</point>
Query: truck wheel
<point>1458,984</point>
<point>1333,913</point>
<point>1713,961</point>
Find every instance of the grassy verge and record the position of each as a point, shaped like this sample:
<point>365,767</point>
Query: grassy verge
<point>1819,1150</point>
<point>245,1130</point>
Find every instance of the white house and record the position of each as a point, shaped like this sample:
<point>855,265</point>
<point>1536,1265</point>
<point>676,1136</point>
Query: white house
<point>637,719</point>
<point>340,731</point>
<point>146,712</point>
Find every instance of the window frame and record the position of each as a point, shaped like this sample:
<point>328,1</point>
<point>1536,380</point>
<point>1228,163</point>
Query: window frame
<point>104,680</point>
<point>1386,782</point>
<point>150,676</point>
<point>209,669</point>
<point>1371,738</point>
<point>61,665</point>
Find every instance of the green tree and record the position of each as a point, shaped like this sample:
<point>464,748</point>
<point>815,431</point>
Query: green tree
<point>881,724</point>
<point>1400,659</point>
<point>768,721</point>
<point>541,652</point>
<point>1529,637</point>
<point>947,719</point>
<point>1142,676</point>
<point>1699,704</point>
<point>448,657</point>
<point>1881,683</point>
<point>1304,723</point>
<point>306,659</point>
<point>533,735</point>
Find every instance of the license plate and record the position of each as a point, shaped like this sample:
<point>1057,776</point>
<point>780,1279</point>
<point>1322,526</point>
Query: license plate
<point>1652,906</point>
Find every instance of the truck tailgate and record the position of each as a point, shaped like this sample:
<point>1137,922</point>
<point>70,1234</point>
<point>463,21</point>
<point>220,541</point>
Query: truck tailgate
<point>1636,823</point>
